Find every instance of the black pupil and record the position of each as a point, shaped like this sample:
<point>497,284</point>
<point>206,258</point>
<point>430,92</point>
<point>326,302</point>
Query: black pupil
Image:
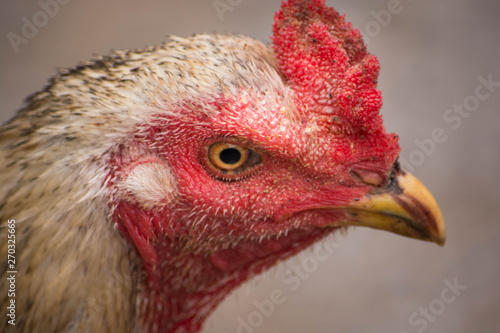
<point>230,156</point>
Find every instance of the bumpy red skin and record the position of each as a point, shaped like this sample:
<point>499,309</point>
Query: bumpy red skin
<point>216,234</point>
<point>334,78</point>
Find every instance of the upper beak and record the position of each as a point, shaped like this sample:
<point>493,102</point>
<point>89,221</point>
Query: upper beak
<point>404,207</point>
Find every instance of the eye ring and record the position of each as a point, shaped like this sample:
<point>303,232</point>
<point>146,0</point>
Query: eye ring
<point>228,161</point>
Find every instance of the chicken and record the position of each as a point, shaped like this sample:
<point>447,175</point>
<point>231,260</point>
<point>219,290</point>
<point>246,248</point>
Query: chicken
<point>147,185</point>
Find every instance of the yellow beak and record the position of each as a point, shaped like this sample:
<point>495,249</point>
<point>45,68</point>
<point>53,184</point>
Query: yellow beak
<point>404,207</point>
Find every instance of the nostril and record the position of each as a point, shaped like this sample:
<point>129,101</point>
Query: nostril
<point>369,177</point>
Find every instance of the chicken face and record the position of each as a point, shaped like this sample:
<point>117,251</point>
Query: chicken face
<point>276,151</point>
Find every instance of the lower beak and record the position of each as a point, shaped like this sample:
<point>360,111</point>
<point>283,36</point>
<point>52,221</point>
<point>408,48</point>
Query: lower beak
<point>404,207</point>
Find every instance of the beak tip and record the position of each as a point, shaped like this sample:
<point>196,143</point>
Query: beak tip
<point>439,233</point>
<point>441,241</point>
<point>440,237</point>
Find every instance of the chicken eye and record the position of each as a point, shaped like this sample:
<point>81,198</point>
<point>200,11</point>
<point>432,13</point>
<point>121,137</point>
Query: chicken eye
<point>229,161</point>
<point>226,156</point>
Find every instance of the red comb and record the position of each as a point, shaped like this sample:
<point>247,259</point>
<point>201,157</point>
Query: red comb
<point>333,78</point>
<point>326,63</point>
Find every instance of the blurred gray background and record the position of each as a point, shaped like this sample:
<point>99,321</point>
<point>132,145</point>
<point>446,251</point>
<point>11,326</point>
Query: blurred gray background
<point>433,56</point>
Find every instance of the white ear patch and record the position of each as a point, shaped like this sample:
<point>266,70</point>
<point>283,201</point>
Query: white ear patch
<point>148,183</point>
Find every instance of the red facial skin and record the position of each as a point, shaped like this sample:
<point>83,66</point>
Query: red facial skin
<point>215,234</point>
